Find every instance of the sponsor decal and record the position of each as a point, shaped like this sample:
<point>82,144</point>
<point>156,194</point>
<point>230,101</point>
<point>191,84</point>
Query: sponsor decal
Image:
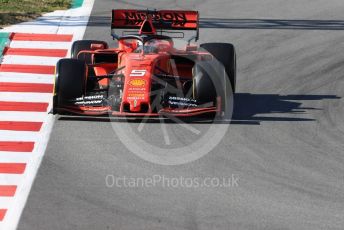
<point>90,97</point>
<point>136,18</point>
<point>182,101</point>
<point>136,95</point>
<point>89,102</point>
<point>137,73</point>
<point>136,89</point>
<point>135,98</point>
<point>137,82</point>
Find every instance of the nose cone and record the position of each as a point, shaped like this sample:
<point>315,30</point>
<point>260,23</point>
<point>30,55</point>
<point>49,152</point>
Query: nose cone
<point>138,93</point>
<point>137,86</point>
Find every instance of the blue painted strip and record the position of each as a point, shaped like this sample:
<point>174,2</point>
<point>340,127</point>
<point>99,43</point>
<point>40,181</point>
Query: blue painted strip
<point>77,3</point>
<point>4,39</point>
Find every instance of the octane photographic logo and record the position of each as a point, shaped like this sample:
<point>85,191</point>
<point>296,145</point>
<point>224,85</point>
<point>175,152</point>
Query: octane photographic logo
<point>172,140</point>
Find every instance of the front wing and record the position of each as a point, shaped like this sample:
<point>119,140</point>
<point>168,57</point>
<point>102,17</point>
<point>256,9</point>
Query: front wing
<point>106,110</point>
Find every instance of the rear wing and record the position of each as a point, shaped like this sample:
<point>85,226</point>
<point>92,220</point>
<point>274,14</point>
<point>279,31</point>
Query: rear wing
<point>163,20</point>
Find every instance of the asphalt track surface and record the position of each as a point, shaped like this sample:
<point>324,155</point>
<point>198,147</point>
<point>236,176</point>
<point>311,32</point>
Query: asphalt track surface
<point>285,144</point>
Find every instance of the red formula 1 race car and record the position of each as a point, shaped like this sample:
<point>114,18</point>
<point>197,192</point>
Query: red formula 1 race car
<point>147,75</point>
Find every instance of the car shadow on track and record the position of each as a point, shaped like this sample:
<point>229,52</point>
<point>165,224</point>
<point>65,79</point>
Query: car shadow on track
<point>248,109</point>
<point>255,108</point>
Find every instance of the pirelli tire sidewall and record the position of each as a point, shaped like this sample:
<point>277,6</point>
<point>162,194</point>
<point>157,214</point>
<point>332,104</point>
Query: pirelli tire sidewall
<point>70,81</point>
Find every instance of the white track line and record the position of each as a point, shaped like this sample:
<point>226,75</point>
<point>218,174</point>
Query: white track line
<point>6,202</point>
<point>26,97</point>
<point>6,135</point>
<point>23,116</point>
<point>40,45</point>
<point>26,77</point>
<point>11,179</point>
<point>29,60</point>
<point>13,157</point>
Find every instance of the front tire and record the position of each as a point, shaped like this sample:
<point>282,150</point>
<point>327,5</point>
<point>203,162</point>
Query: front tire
<point>224,53</point>
<point>70,82</point>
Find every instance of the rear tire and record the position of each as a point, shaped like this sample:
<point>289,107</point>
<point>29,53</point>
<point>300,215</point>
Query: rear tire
<point>224,53</point>
<point>70,82</point>
<point>85,45</point>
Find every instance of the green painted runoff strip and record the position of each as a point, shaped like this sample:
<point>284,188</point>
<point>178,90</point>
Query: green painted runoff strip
<point>4,39</point>
<point>77,3</point>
